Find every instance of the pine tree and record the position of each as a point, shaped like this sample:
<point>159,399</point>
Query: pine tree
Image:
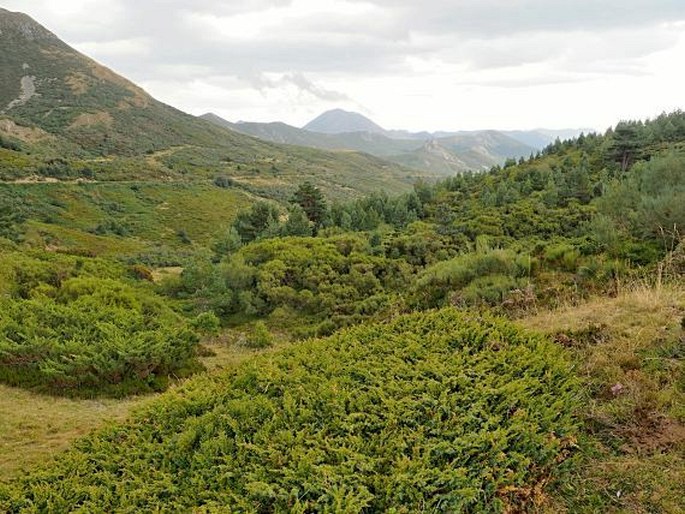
<point>297,223</point>
<point>625,145</point>
<point>312,201</point>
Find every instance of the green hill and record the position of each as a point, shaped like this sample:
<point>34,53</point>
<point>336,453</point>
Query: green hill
<point>59,109</point>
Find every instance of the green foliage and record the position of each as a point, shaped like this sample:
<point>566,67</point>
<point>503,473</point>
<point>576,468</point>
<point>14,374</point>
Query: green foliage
<point>297,224</point>
<point>369,212</point>
<point>432,412</point>
<point>312,202</point>
<point>224,182</point>
<point>260,337</point>
<point>646,207</point>
<point>472,278</point>
<point>66,331</point>
<point>257,221</point>
<point>227,243</point>
<point>11,218</point>
<point>206,323</point>
<point>322,279</point>
<point>139,221</point>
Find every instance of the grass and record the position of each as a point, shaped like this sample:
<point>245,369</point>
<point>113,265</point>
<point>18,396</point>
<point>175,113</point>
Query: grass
<point>36,427</point>
<point>629,352</point>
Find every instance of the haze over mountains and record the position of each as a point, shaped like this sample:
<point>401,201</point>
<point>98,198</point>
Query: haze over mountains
<point>444,153</point>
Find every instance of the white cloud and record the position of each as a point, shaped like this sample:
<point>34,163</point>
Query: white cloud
<point>445,64</point>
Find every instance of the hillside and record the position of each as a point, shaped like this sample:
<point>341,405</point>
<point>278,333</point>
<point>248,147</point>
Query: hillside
<point>48,85</point>
<point>61,110</point>
<point>465,151</point>
<point>197,320</point>
<point>410,382</point>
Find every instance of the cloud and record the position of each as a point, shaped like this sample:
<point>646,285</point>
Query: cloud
<point>360,37</point>
<point>303,84</point>
<point>119,48</point>
<point>500,17</point>
<point>300,56</point>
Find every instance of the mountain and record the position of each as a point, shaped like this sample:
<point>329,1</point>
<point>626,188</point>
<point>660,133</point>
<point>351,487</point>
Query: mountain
<point>49,85</point>
<point>369,142</point>
<point>540,138</point>
<point>464,151</point>
<point>439,153</point>
<point>58,105</point>
<point>338,121</point>
<point>485,147</point>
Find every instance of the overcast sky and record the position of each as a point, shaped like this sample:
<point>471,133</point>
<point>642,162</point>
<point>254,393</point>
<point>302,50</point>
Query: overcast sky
<point>419,65</point>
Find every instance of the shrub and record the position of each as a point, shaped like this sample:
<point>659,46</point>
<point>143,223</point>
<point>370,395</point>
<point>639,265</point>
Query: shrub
<point>206,323</point>
<point>260,336</point>
<point>470,278</point>
<point>439,412</point>
<point>87,336</point>
<point>223,181</point>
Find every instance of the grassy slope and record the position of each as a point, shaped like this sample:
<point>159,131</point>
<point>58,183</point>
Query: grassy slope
<point>125,219</point>
<point>633,458</point>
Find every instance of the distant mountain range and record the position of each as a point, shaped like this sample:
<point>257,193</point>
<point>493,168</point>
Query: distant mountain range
<point>444,153</point>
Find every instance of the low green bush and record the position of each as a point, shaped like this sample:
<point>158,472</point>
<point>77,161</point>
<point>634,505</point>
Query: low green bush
<point>472,278</point>
<point>433,412</point>
<point>65,331</point>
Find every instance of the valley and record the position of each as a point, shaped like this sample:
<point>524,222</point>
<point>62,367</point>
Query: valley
<point>205,316</point>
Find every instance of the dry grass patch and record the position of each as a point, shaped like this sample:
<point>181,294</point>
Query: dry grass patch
<point>630,352</point>
<point>35,427</point>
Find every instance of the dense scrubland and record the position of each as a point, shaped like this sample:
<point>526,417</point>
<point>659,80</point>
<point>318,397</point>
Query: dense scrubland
<point>416,392</point>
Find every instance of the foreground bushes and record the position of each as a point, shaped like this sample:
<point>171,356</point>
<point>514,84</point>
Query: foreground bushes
<point>433,412</point>
<point>64,331</point>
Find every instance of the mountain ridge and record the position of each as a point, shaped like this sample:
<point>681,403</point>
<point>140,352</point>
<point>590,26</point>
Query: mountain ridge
<point>447,154</point>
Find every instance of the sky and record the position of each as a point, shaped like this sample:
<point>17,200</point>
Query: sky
<point>407,64</point>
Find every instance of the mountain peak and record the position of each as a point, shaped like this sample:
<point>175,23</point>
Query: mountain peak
<point>20,24</point>
<point>339,121</point>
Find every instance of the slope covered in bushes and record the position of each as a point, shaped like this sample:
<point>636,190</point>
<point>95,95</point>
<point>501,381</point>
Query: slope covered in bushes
<point>79,326</point>
<point>440,411</point>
